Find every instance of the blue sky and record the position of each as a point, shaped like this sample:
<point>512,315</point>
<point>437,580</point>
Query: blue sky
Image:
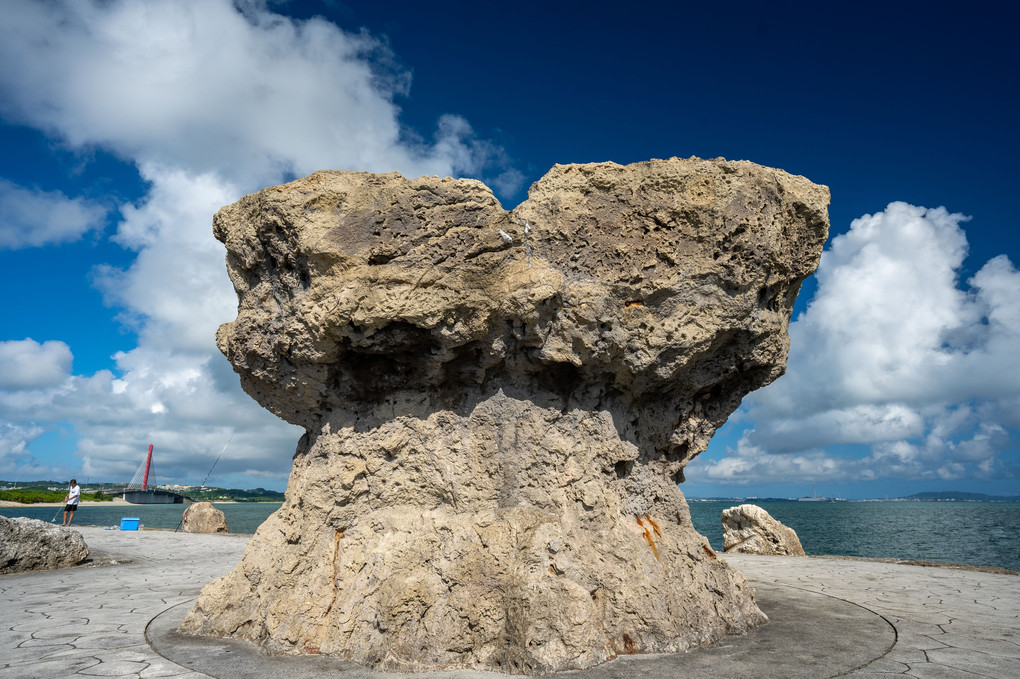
<point>125,125</point>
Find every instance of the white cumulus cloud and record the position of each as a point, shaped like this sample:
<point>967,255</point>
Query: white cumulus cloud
<point>32,217</point>
<point>15,460</point>
<point>208,101</point>
<point>251,96</point>
<point>894,354</point>
<point>27,364</point>
<point>176,292</point>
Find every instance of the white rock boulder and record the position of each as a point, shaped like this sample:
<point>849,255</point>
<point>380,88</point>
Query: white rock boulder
<point>29,545</point>
<point>202,517</point>
<point>749,529</point>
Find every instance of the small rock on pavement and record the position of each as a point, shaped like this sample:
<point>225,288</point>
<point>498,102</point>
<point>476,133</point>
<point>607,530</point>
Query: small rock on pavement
<point>749,529</point>
<point>202,517</point>
<point>31,545</point>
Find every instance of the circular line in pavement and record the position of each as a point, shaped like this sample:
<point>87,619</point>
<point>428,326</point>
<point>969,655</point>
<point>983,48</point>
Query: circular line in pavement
<point>809,636</point>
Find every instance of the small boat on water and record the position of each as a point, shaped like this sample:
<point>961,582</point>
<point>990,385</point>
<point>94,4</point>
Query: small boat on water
<point>143,495</point>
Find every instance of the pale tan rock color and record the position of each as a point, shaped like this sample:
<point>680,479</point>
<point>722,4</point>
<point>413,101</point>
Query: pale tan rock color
<point>498,406</point>
<point>202,517</point>
<point>31,545</point>
<point>749,529</point>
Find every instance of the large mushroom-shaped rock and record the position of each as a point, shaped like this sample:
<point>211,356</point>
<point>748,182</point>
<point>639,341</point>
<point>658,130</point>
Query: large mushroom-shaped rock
<point>499,406</point>
<point>30,545</point>
<point>202,517</point>
<point>749,529</point>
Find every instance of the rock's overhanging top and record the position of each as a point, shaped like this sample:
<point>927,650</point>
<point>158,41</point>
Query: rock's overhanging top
<point>498,406</point>
<point>668,277</point>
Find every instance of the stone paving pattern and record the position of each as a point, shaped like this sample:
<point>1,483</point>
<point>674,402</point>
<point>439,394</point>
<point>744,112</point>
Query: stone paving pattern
<point>90,621</point>
<point>949,622</point>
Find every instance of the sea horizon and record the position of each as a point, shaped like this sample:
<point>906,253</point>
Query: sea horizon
<point>984,534</point>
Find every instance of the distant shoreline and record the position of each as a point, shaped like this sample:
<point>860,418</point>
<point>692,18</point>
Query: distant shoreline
<point>120,501</point>
<point>84,503</point>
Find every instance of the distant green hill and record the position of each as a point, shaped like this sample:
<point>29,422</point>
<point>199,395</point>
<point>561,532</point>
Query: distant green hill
<point>38,491</point>
<point>959,497</point>
<point>28,496</point>
<point>234,494</point>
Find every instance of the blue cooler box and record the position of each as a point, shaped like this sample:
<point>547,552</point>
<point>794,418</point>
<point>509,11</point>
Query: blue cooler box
<point>129,523</point>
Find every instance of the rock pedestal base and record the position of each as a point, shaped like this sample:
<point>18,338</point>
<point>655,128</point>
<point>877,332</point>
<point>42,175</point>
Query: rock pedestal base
<point>519,549</point>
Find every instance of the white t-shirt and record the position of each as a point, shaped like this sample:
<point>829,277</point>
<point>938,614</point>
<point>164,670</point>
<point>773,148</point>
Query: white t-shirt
<point>72,495</point>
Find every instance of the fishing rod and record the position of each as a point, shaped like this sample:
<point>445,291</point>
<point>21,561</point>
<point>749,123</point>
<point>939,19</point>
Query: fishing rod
<point>62,508</point>
<point>216,460</point>
<point>181,522</point>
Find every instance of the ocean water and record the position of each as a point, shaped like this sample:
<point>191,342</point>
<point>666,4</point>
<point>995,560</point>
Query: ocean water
<point>242,517</point>
<point>975,533</point>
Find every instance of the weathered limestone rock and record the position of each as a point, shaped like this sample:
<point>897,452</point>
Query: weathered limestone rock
<point>498,406</point>
<point>749,529</point>
<point>202,517</point>
<point>31,545</point>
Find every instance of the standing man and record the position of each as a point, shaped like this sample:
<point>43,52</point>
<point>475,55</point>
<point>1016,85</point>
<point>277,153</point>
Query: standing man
<point>71,502</point>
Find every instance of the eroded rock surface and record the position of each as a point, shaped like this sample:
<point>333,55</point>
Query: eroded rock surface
<point>30,545</point>
<point>202,517</point>
<point>499,406</point>
<point>749,529</point>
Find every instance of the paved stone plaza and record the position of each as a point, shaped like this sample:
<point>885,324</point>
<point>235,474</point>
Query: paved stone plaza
<point>830,617</point>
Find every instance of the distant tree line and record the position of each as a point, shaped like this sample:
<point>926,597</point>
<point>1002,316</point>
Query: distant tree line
<point>30,496</point>
<point>235,494</point>
<point>38,491</point>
